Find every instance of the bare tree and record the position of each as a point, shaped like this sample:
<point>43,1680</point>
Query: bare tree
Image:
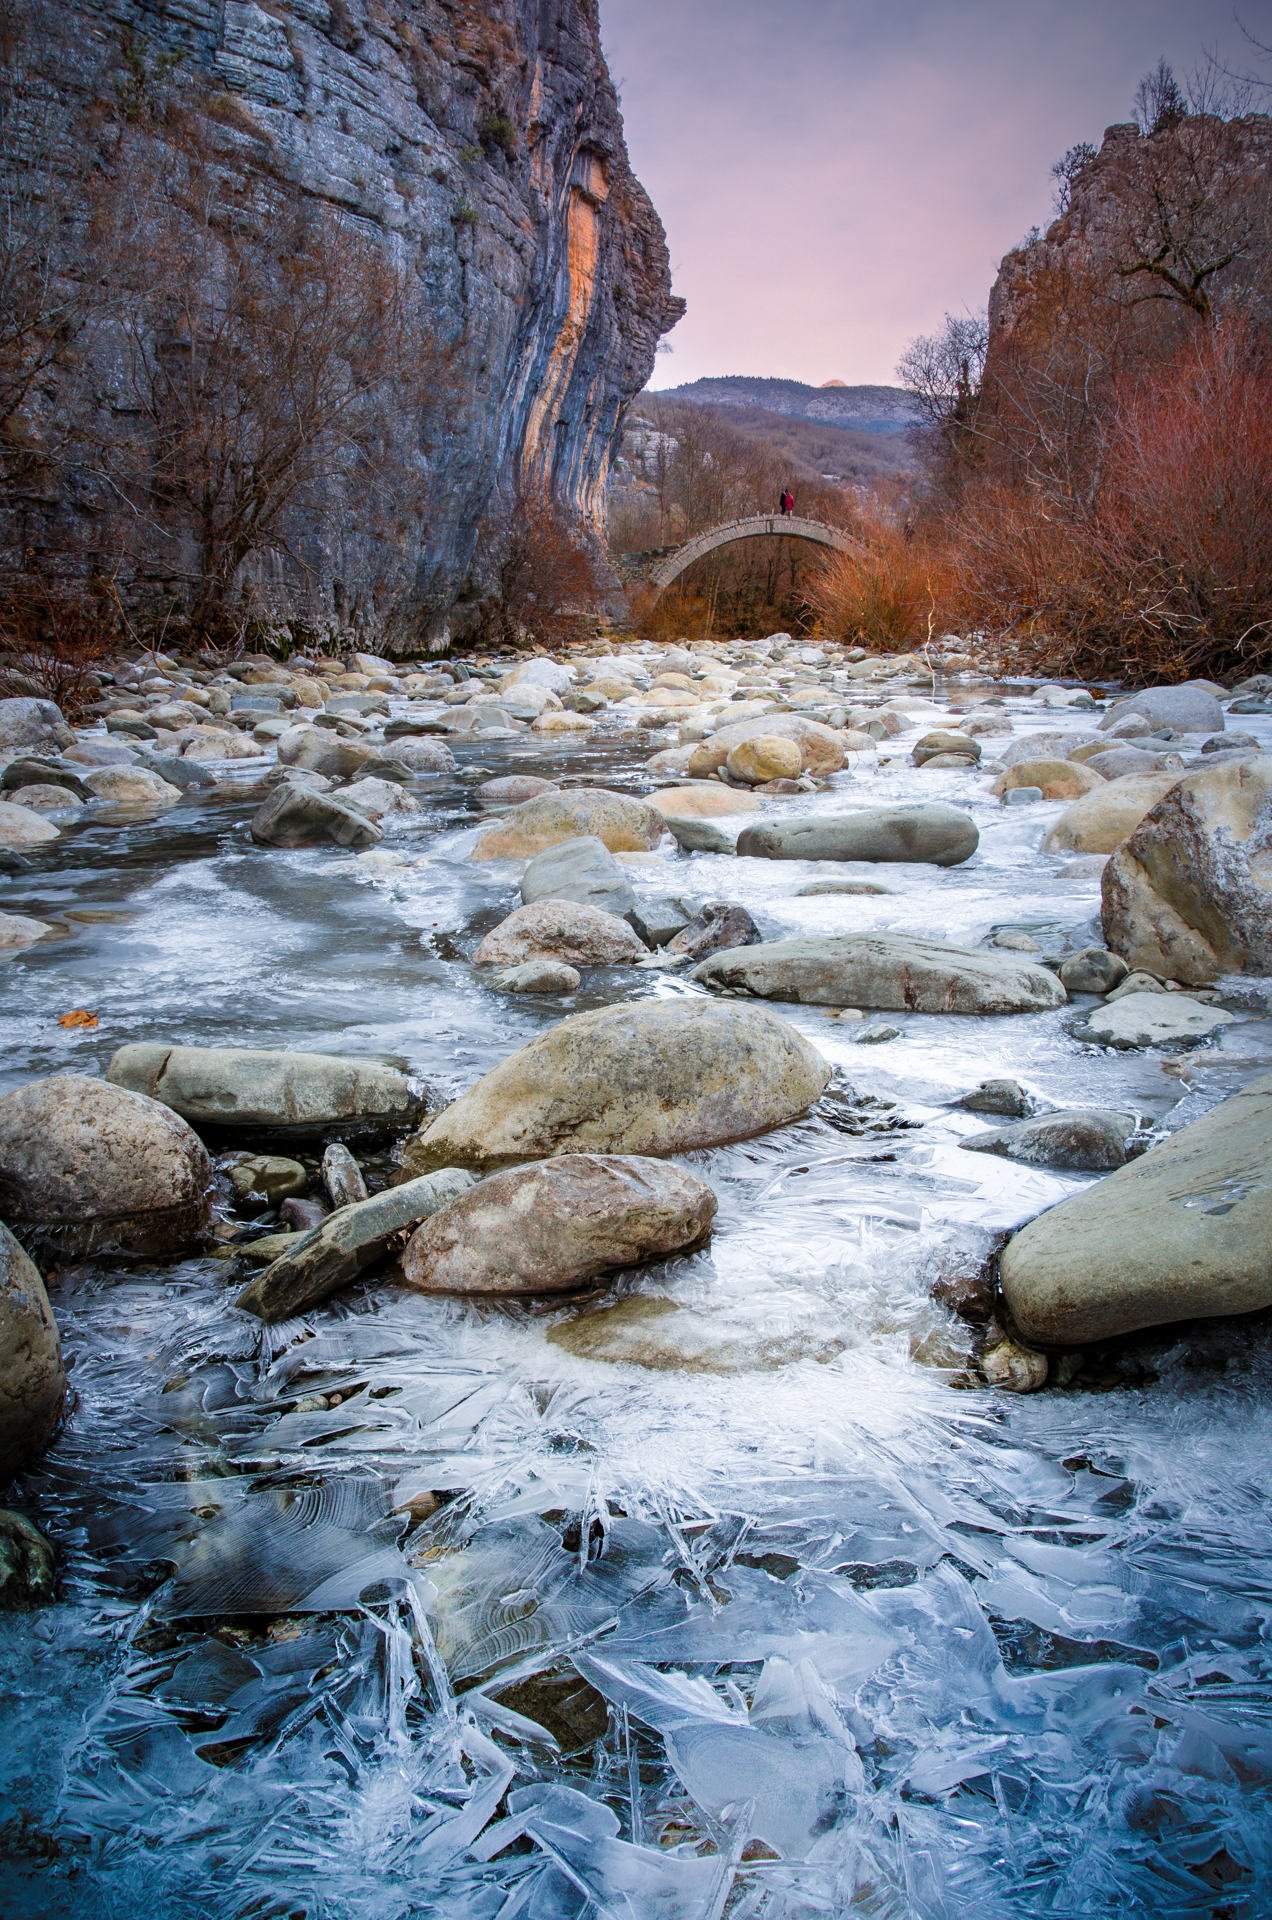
<point>273,355</point>
<point>1193,202</point>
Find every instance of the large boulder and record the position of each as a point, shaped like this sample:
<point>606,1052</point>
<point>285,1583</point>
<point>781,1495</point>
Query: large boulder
<point>92,1168</point>
<point>1189,895</point>
<point>32,1381</point>
<point>346,1244</point>
<point>896,972</point>
<point>296,816</point>
<point>1187,709</point>
<point>821,748</point>
<point>25,722</point>
<point>623,824</point>
<point>560,930</point>
<point>582,870</point>
<point>259,1090</point>
<point>1103,818</point>
<point>1180,1234</point>
<point>654,1076</point>
<point>930,834</point>
<point>557,1224</point>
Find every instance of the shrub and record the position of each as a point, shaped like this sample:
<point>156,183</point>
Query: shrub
<point>1165,569</point>
<point>547,581</point>
<point>892,592</point>
<point>52,637</point>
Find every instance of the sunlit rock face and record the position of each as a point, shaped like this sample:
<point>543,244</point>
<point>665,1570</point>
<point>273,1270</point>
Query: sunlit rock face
<point>482,149</point>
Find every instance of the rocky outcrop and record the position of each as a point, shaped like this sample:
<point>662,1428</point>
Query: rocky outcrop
<point>479,150</point>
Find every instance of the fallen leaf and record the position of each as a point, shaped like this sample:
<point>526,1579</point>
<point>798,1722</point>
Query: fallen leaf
<point>79,1018</point>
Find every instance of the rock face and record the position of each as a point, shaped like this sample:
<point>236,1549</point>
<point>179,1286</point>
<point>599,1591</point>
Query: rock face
<point>92,1168</point>
<point>32,1382</point>
<point>481,150</point>
<point>622,824</point>
<point>1103,818</point>
<point>887,971</point>
<point>651,1077</point>
<point>1182,1233</point>
<point>1189,895</point>
<point>560,930</point>
<point>265,1091</point>
<point>558,1224</point>
<point>934,835</point>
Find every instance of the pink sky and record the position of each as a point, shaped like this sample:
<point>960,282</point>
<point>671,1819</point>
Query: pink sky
<point>835,175</point>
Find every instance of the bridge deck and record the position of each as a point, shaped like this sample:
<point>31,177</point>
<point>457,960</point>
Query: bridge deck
<point>790,526</point>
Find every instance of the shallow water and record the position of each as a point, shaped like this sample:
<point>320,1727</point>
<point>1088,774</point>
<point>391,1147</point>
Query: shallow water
<point>803,1626</point>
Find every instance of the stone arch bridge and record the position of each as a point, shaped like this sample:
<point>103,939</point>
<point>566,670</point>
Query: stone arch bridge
<point>661,568</point>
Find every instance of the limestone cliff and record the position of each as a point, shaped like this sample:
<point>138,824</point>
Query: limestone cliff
<point>481,148</point>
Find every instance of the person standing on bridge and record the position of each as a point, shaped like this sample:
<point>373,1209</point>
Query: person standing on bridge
<point>788,501</point>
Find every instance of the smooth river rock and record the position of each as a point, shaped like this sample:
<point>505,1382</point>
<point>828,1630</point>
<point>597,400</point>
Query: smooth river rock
<point>582,870</point>
<point>1182,1233</point>
<point>1075,1140</point>
<point>553,929</point>
<point>32,1379</point>
<point>256,1089</point>
<point>345,1245</point>
<point>1103,818</point>
<point>822,749</point>
<point>1185,709</point>
<point>622,824</point>
<point>29,722</point>
<point>650,1076</point>
<point>1152,1019</point>
<point>557,1224</point>
<point>22,827</point>
<point>1189,894</point>
<point>296,816</point>
<point>90,1168</point>
<point>893,972</point>
<point>926,833</point>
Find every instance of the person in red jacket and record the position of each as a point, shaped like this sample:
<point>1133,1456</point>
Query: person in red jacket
<point>788,501</point>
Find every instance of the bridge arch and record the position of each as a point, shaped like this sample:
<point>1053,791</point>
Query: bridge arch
<point>790,526</point>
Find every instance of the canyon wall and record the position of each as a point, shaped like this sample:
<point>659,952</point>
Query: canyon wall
<point>478,148</point>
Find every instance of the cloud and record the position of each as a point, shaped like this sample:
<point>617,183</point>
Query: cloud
<point>835,175</point>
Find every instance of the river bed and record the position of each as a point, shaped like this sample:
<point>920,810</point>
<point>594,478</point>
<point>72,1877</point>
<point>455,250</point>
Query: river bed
<point>750,1601</point>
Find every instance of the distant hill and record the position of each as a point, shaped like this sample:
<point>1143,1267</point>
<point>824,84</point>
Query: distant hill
<point>881,410</point>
